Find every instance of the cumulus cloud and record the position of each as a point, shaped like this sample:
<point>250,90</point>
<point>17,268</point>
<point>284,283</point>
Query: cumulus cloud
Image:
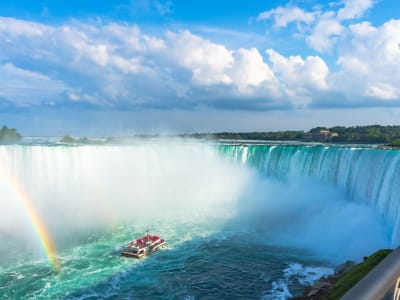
<point>382,91</point>
<point>213,64</point>
<point>367,57</point>
<point>354,9</point>
<point>13,27</point>
<point>118,65</point>
<point>207,61</point>
<point>372,63</point>
<point>283,16</point>
<point>250,72</point>
<point>302,78</point>
<point>232,74</point>
<point>324,27</point>
<point>90,59</point>
<point>300,74</point>
<point>325,33</point>
<point>25,88</point>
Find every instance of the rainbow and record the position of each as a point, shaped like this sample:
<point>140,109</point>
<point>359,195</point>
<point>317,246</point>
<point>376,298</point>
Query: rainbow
<point>38,225</point>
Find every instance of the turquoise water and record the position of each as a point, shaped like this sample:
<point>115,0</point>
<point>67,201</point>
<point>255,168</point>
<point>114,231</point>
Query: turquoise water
<point>257,222</point>
<point>367,176</point>
<point>192,266</point>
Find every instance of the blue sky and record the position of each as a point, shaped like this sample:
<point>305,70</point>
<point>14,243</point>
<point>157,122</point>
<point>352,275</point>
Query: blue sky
<point>123,67</point>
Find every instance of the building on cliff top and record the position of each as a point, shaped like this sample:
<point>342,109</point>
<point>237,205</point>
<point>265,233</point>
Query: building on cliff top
<point>320,136</point>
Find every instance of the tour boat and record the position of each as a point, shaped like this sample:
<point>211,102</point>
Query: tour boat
<point>143,246</point>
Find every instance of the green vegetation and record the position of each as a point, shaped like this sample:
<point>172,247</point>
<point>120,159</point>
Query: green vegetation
<point>395,143</point>
<point>70,140</point>
<point>9,135</point>
<point>317,129</point>
<point>271,136</point>
<point>370,134</point>
<point>366,134</point>
<point>349,279</point>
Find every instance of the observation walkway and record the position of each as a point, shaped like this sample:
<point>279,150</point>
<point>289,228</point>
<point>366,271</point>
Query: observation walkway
<point>381,283</point>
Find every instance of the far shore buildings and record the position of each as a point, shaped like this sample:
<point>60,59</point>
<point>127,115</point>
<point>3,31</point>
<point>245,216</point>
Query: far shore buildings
<point>320,136</point>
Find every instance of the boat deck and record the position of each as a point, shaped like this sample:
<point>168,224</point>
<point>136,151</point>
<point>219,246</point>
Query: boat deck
<point>143,246</point>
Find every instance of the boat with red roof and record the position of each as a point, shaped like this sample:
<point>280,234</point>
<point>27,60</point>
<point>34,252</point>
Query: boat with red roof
<point>143,246</point>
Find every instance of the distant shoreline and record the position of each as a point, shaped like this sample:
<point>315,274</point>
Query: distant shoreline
<point>376,135</point>
<point>134,140</point>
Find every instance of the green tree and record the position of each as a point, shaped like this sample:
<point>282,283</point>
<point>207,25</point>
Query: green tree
<point>9,135</point>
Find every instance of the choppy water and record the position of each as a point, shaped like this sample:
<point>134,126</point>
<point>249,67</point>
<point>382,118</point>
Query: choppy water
<point>234,228</point>
<point>197,264</point>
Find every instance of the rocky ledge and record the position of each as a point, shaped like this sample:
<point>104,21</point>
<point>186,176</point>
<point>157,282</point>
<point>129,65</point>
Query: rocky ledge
<point>345,277</point>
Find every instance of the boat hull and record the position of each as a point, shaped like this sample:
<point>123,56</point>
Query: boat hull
<point>127,252</point>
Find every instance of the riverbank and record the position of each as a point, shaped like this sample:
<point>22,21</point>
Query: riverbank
<point>345,277</point>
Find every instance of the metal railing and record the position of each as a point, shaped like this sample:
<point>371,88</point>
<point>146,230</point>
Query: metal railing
<point>382,282</point>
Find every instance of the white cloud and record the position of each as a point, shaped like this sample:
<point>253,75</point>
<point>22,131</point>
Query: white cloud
<point>250,71</point>
<point>132,65</point>
<point>98,53</point>
<point>325,33</point>
<point>213,64</point>
<point>282,16</point>
<point>24,88</point>
<point>362,29</point>
<point>107,45</point>
<point>383,91</point>
<point>300,74</point>
<point>128,38</point>
<point>353,65</point>
<point>207,61</point>
<point>354,9</point>
<point>15,27</point>
<point>91,55</point>
<point>323,28</point>
<point>118,65</point>
<point>368,57</point>
<point>372,62</point>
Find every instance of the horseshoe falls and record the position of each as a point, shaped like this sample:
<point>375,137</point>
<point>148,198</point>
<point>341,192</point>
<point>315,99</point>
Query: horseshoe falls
<point>366,177</point>
<point>254,222</point>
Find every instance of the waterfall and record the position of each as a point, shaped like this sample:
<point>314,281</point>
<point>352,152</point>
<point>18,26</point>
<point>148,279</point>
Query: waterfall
<point>368,176</point>
<point>260,208</point>
<point>84,188</point>
<point>74,188</point>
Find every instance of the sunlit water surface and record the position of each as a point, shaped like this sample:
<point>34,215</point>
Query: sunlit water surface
<point>232,230</point>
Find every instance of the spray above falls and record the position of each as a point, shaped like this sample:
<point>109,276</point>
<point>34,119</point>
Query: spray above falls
<point>290,191</point>
<point>366,176</point>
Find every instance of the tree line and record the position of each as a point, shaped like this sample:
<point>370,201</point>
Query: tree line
<point>9,135</point>
<point>372,134</point>
<point>355,134</point>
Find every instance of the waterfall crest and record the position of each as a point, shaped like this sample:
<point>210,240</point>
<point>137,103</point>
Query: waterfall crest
<point>369,176</point>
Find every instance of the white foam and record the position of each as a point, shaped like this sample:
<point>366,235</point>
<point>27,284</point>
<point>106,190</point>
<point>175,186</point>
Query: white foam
<point>306,275</point>
<point>295,273</point>
<point>279,291</point>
